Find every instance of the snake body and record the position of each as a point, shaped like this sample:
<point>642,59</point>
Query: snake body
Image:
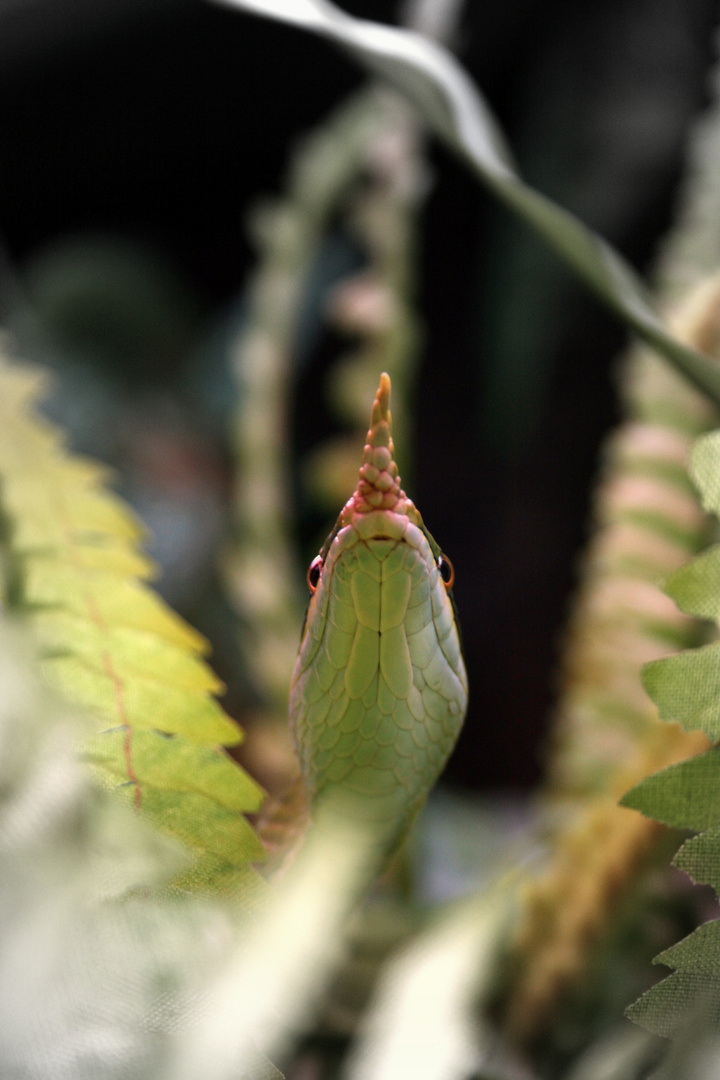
<point>379,691</point>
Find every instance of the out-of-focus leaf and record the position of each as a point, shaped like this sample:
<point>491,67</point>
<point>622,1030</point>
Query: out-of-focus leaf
<point>274,977</point>
<point>668,1008</point>
<point>686,796</point>
<point>453,107</point>
<point>698,858</point>
<point>695,587</point>
<point>699,952</point>
<point>686,688</point>
<point>423,1023</point>
<point>113,646</point>
<point>96,975</point>
<point>704,471</point>
<point>619,1054</point>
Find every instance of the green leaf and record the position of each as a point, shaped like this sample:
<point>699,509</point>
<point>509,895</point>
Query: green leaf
<point>209,873</point>
<point>103,975</point>
<point>142,702</point>
<point>134,652</point>
<point>106,597</point>
<point>704,466</point>
<point>264,995</point>
<point>201,824</point>
<point>695,588</point>
<point>686,688</point>
<point>454,109</point>
<point>699,951</point>
<point>670,1007</point>
<point>684,796</point>
<point>113,646</point>
<point>698,857</point>
<point>419,1022</point>
<point>174,763</point>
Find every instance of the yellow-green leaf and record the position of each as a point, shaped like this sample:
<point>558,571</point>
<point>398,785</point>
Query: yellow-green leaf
<point>174,763</point>
<point>114,646</point>
<point>202,824</point>
<point>134,652</point>
<point>107,598</point>
<point>139,702</point>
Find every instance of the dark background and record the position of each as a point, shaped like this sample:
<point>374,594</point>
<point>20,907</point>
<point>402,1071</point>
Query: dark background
<point>156,125</point>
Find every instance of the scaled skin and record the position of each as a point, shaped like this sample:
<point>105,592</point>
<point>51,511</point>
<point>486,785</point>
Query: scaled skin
<point>379,691</point>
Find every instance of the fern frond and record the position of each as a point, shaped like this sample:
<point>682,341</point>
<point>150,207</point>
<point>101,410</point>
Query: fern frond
<point>74,569</point>
<point>687,795</point>
<point>264,582</point>
<point>606,732</point>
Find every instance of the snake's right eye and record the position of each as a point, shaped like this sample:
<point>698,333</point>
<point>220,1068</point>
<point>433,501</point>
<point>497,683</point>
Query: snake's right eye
<point>313,574</point>
<point>447,572</point>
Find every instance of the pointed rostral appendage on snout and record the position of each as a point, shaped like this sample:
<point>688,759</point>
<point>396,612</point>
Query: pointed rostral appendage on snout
<point>379,691</point>
<point>379,484</point>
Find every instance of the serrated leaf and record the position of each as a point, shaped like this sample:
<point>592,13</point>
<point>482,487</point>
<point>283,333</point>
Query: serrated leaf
<point>208,873</point>
<point>686,688</point>
<point>107,554</point>
<point>40,520</point>
<point>134,652</point>
<point>705,470</point>
<point>695,587</point>
<point>101,972</point>
<point>668,1008</point>
<point>80,471</point>
<point>684,796</point>
<point>698,857</point>
<point>141,702</point>
<point>454,109</point>
<point>175,763</point>
<point>203,824</point>
<point>107,598</point>
<point>699,951</point>
<point>115,647</point>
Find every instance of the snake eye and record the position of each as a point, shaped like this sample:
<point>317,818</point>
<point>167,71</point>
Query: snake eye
<point>313,574</point>
<point>446,571</point>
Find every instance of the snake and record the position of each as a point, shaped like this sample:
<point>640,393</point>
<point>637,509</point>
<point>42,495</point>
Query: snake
<point>379,691</point>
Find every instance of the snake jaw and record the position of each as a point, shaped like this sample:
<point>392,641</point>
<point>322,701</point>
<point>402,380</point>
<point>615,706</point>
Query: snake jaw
<point>379,482</point>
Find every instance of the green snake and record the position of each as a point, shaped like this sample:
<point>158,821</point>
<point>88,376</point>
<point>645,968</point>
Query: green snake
<point>379,691</point>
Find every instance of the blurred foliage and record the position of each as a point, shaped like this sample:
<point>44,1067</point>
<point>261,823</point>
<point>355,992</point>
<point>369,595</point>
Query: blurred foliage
<point>99,976</point>
<point>96,974</point>
<point>74,570</point>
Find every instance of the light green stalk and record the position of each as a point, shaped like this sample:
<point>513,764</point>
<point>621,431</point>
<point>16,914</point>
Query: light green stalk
<point>379,691</point>
<point>371,136</point>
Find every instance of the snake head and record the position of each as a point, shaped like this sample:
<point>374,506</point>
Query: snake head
<point>379,690</point>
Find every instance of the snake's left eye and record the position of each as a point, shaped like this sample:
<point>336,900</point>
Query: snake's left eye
<point>446,571</point>
<point>313,574</point>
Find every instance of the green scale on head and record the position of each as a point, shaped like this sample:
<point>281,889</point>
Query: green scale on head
<point>379,691</point>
